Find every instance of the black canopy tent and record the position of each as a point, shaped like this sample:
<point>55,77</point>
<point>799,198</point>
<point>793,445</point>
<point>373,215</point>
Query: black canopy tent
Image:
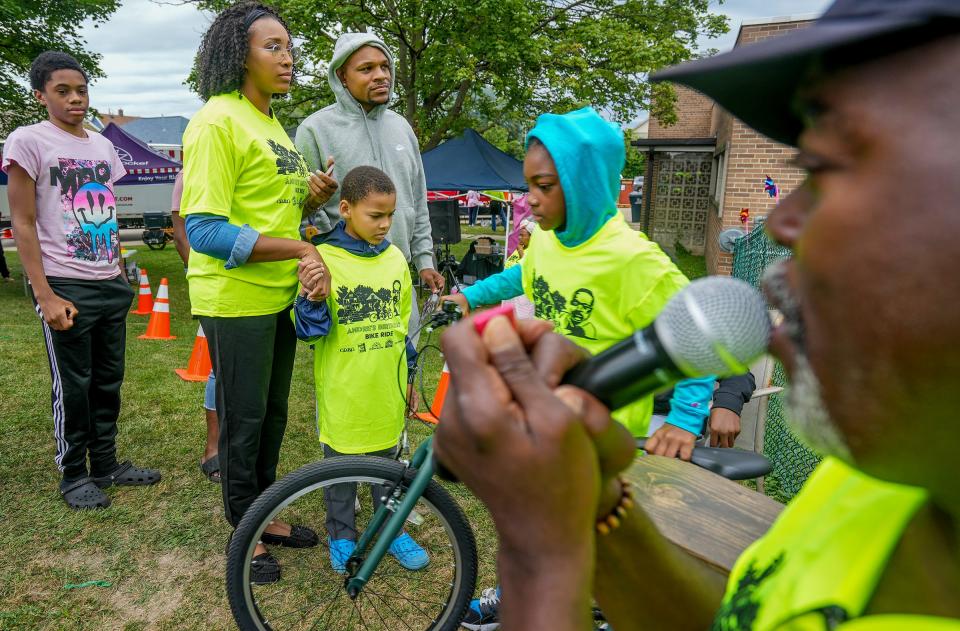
<point>469,162</point>
<point>465,163</point>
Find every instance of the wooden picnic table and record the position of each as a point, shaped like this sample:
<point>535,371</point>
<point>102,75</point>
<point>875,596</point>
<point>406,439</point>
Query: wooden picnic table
<point>707,516</point>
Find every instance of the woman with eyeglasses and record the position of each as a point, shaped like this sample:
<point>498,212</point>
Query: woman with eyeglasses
<point>245,191</point>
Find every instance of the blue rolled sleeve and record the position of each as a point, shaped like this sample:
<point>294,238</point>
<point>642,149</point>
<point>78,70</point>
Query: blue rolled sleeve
<point>690,404</point>
<point>311,319</point>
<point>492,289</point>
<point>216,237</point>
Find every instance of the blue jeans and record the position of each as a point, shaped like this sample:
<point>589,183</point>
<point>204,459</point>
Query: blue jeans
<point>493,219</point>
<point>472,211</point>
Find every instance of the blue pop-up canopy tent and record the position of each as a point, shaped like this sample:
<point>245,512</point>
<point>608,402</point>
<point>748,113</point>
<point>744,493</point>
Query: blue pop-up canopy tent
<point>469,162</point>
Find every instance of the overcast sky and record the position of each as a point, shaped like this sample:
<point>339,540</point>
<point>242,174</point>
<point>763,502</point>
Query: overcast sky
<point>148,49</point>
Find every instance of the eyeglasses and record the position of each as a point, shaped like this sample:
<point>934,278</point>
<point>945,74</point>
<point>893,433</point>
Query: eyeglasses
<point>277,51</point>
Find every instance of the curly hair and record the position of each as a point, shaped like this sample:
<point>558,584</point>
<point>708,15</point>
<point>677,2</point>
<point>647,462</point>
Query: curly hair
<point>363,180</point>
<point>48,62</point>
<point>223,50</point>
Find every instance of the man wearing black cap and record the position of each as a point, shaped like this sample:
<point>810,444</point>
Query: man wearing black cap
<point>871,338</point>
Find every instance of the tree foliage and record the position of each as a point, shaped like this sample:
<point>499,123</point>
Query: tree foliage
<point>29,27</point>
<point>494,65</point>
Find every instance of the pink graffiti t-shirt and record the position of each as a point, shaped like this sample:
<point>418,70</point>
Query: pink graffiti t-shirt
<point>76,207</point>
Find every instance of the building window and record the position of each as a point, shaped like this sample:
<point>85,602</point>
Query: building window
<point>718,180</point>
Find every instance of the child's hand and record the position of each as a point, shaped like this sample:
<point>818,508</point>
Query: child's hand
<point>57,312</point>
<point>312,274</point>
<point>671,441</point>
<point>461,301</point>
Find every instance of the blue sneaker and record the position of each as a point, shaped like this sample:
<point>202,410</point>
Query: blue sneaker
<point>340,551</point>
<point>408,553</point>
<point>483,614</point>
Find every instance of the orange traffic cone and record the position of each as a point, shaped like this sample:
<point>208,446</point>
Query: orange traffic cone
<point>432,415</point>
<point>145,299</point>
<point>198,368</point>
<point>159,326</point>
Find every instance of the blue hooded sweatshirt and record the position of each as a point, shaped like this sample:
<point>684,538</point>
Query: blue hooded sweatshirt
<point>588,153</point>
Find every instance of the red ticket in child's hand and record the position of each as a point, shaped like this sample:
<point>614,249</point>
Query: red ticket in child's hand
<point>481,320</point>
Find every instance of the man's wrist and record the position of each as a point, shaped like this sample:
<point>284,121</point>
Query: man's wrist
<point>610,495</point>
<point>548,590</point>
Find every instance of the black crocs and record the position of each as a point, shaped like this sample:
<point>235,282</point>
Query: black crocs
<point>84,494</point>
<point>299,537</point>
<point>128,475</point>
<point>211,468</point>
<point>264,569</point>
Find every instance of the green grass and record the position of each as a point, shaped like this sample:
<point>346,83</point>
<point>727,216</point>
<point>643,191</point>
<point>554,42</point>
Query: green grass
<point>691,265</point>
<point>161,547</point>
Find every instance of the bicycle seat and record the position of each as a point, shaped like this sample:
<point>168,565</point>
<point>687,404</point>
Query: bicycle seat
<point>733,464</point>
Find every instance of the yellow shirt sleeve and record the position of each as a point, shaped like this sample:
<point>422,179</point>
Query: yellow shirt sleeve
<point>210,172</point>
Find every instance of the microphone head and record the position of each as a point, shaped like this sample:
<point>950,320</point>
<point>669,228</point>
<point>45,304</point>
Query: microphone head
<point>714,326</point>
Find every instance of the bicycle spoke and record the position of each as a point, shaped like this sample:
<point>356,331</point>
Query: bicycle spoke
<point>412,601</point>
<point>301,610</point>
<point>392,610</point>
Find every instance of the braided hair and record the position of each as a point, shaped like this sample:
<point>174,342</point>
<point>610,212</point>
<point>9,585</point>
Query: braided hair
<point>223,50</point>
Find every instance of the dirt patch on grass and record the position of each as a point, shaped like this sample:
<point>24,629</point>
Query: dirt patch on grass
<point>162,592</point>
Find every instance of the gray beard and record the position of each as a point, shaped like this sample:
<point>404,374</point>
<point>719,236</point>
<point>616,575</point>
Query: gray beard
<point>807,415</point>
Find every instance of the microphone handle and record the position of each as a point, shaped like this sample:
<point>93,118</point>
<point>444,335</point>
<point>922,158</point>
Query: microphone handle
<point>627,371</point>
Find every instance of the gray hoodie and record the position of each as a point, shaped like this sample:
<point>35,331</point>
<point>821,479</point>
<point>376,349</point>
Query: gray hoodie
<point>380,138</point>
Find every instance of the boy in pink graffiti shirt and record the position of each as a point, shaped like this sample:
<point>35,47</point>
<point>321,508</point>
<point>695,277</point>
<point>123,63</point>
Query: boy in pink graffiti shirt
<point>61,181</point>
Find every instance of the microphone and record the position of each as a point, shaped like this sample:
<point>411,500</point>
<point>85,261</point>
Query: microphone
<point>714,326</point>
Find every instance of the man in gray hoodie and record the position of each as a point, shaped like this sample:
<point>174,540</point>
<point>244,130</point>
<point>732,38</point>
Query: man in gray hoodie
<point>359,129</point>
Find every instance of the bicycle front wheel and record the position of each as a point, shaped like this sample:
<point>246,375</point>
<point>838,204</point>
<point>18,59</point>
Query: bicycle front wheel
<point>311,595</point>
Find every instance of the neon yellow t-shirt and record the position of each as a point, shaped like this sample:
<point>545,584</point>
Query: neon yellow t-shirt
<point>601,291</point>
<point>819,564</point>
<point>240,164</point>
<point>360,367</point>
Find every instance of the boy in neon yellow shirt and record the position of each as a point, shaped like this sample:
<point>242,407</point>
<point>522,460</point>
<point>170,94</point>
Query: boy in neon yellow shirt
<point>360,336</point>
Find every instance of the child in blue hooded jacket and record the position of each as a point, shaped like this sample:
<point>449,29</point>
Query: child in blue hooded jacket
<point>586,270</point>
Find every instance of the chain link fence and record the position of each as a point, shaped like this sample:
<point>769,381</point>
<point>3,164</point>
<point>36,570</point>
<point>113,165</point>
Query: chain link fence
<point>792,460</point>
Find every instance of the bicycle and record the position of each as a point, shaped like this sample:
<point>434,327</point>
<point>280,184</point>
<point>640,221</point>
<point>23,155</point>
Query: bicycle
<point>391,598</point>
<point>310,595</point>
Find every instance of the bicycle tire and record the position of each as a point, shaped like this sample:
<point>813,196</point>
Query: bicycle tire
<point>248,612</point>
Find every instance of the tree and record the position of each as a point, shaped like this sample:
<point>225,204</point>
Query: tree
<point>29,27</point>
<point>495,64</point>
<point>636,163</point>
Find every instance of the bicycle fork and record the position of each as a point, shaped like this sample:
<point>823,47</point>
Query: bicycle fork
<point>388,520</point>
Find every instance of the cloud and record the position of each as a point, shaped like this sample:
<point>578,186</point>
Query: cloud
<point>148,50</point>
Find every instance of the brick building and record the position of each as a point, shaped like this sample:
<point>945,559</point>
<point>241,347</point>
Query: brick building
<point>703,170</point>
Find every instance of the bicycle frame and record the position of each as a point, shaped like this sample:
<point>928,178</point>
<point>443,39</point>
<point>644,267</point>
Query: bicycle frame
<point>385,526</point>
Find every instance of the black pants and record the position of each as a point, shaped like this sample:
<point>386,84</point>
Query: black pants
<point>252,359</point>
<point>4,270</point>
<point>86,370</point>
<point>341,498</point>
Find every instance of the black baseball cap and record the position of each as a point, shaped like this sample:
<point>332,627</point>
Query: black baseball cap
<point>757,82</point>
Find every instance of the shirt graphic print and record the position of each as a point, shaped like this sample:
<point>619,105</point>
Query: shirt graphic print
<point>89,209</point>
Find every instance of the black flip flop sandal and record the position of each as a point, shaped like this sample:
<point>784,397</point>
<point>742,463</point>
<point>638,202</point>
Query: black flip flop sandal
<point>128,475</point>
<point>264,569</point>
<point>299,537</point>
<point>84,494</point>
<point>211,469</point>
